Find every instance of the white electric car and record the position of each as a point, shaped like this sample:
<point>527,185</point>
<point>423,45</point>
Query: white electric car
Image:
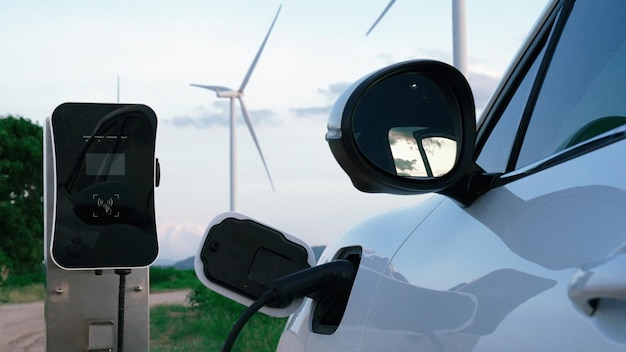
<point>523,246</point>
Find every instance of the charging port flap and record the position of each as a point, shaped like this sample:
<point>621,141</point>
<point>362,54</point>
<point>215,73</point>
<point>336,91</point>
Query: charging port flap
<point>240,258</point>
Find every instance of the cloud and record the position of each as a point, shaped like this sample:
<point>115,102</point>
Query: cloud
<point>205,121</point>
<point>179,241</point>
<point>314,111</point>
<point>219,116</point>
<point>482,87</point>
<point>334,90</point>
<point>330,94</point>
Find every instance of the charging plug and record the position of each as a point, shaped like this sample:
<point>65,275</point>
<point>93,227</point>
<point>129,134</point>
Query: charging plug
<point>335,275</point>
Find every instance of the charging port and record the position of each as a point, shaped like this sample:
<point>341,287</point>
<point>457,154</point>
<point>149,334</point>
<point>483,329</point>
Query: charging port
<point>330,305</point>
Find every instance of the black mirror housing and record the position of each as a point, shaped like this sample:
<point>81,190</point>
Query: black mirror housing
<point>409,128</point>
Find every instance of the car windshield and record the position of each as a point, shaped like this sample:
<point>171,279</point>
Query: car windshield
<point>582,94</point>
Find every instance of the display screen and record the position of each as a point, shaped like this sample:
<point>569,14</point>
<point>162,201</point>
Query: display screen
<point>105,164</point>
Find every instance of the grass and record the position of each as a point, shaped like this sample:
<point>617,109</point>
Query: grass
<point>22,288</point>
<point>25,294</point>
<point>205,325</point>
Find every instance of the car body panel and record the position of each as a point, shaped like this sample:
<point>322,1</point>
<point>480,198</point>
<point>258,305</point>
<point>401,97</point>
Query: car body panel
<point>502,264</point>
<point>396,228</point>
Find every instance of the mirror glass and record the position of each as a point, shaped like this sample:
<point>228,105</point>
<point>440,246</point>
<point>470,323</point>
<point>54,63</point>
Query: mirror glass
<point>418,155</point>
<point>408,125</point>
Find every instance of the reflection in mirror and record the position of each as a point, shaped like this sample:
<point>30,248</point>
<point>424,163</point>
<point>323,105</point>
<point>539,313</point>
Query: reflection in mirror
<point>408,125</point>
<point>419,152</point>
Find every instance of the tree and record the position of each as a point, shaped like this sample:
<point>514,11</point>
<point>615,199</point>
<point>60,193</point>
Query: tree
<point>21,195</point>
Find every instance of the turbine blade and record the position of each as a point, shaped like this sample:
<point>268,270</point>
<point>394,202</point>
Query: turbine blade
<point>380,17</point>
<point>213,88</point>
<point>246,117</point>
<point>258,54</point>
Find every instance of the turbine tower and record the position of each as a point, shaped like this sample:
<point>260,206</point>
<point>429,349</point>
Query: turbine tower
<point>224,92</point>
<point>459,33</point>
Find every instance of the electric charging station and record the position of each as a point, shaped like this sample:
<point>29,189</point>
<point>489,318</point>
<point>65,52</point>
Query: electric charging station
<point>100,173</point>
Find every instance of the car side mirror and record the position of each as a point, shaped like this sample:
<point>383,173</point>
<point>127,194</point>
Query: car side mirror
<point>239,258</point>
<point>406,129</point>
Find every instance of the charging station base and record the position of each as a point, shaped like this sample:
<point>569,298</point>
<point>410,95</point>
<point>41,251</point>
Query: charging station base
<point>82,310</point>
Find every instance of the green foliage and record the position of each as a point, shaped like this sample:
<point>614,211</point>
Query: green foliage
<point>22,294</point>
<point>164,279</point>
<point>21,195</point>
<point>36,277</point>
<point>201,298</point>
<point>205,325</point>
<point>22,288</point>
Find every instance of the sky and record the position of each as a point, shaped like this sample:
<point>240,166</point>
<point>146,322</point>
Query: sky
<point>74,51</point>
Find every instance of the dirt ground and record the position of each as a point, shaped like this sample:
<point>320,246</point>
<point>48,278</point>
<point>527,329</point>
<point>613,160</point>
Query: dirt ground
<point>22,326</point>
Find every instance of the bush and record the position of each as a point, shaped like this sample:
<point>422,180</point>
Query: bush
<point>168,278</point>
<point>200,297</point>
<point>22,280</point>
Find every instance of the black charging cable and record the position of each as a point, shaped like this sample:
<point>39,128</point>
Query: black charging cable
<point>120,307</point>
<point>335,275</point>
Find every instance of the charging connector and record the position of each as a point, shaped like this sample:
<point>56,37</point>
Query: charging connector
<point>337,275</point>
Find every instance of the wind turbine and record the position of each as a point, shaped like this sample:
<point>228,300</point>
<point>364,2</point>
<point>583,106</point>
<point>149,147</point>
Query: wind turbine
<point>224,92</point>
<point>459,33</point>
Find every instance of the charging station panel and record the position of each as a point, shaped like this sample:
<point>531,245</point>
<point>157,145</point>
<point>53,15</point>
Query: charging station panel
<point>105,172</point>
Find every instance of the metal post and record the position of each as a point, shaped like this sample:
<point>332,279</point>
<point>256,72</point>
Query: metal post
<point>459,35</point>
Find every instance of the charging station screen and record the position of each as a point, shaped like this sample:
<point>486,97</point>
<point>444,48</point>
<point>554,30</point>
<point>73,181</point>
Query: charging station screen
<point>98,164</point>
<point>105,177</point>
